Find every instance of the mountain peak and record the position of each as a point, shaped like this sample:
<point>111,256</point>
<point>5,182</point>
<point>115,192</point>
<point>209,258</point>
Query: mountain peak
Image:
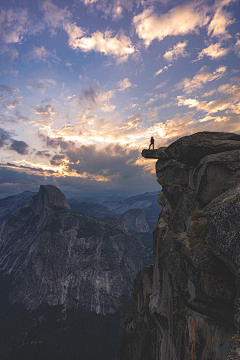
<point>48,195</point>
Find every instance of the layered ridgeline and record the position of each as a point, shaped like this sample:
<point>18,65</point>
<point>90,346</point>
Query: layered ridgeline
<point>65,278</point>
<point>187,304</point>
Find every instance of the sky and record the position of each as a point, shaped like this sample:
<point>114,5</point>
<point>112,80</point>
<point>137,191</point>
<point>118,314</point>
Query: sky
<point>84,84</point>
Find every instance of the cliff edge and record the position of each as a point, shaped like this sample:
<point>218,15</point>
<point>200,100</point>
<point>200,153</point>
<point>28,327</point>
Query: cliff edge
<point>187,305</point>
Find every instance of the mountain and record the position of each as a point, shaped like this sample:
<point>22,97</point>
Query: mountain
<point>132,221</point>
<point>187,304</point>
<point>12,204</point>
<point>135,202</point>
<point>57,267</point>
<point>90,208</point>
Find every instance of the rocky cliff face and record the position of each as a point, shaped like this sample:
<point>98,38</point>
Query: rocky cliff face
<point>192,309</point>
<point>58,257</point>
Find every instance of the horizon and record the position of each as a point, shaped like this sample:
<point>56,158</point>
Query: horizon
<point>84,196</point>
<point>86,83</point>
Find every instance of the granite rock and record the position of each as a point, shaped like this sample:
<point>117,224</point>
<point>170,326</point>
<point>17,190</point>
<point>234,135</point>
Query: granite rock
<point>195,295</point>
<point>58,257</point>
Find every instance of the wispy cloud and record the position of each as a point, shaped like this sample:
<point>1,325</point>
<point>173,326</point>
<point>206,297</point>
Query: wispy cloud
<point>94,98</point>
<point>125,84</point>
<point>237,45</point>
<point>178,50</point>
<point>41,84</point>
<point>203,76</point>
<point>219,23</point>
<point>161,70</point>
<point>41,54</point>
<point>214,51</point>
<point>160,85</point>
<point>15,24</point>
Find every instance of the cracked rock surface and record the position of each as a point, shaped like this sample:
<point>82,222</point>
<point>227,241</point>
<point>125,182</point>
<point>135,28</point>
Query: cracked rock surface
<point>194,295</point>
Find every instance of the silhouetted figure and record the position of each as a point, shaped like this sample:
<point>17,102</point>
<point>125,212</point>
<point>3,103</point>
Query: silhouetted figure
<point>151,143</point>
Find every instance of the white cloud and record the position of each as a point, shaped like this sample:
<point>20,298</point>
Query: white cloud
<point>210,107</point>
<point>204,76</point>
<point>176,51</point>
<point>214,51</point>
<point>161,70</point>
<point>180,20</point>
<point>124,84</point>
<point>221,20</point>
<point>119,46</point>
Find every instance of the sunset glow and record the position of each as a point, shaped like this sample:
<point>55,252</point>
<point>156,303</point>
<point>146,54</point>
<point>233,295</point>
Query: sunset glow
<point>85,84</point>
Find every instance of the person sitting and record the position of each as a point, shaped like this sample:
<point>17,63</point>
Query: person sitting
<point>151,143</point>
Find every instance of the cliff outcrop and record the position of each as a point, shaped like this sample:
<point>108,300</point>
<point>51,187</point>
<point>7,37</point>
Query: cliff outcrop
<point>192,310</point>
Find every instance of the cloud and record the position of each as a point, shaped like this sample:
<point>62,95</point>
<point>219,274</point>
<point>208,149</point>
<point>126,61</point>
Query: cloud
<point>114,164</point>
<point>180,20</point>
<point>221,20</point>
<point>176,51</point>
<point>57,160</point>
<point>15,25</point>
<point>124,84</point>
<point>160,85</point>
<point>214,51</point>
<point>161,70</point>
<point>43,153</point>
<point>19,146</point>
<point>209,93</point>
<point>54,16</point>
<point>45,111</point>
<point>4,137</point>
<point>113,8</point>
<point>41,54</point>
<point>156,97</point>
<point>12,104</point>
<point>10,91</point>
<point>41,84</point>
<point>210,107</point>
<point>237,45</point>
<point>119,46</point>
<point>94,98</point>
<point>203,76</point>
<point>21,118</point>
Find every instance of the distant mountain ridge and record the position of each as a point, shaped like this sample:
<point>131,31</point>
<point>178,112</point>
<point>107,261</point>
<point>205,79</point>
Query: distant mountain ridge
<point>68,250</point>
<point>12,204</point>
<point>65,278</point>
